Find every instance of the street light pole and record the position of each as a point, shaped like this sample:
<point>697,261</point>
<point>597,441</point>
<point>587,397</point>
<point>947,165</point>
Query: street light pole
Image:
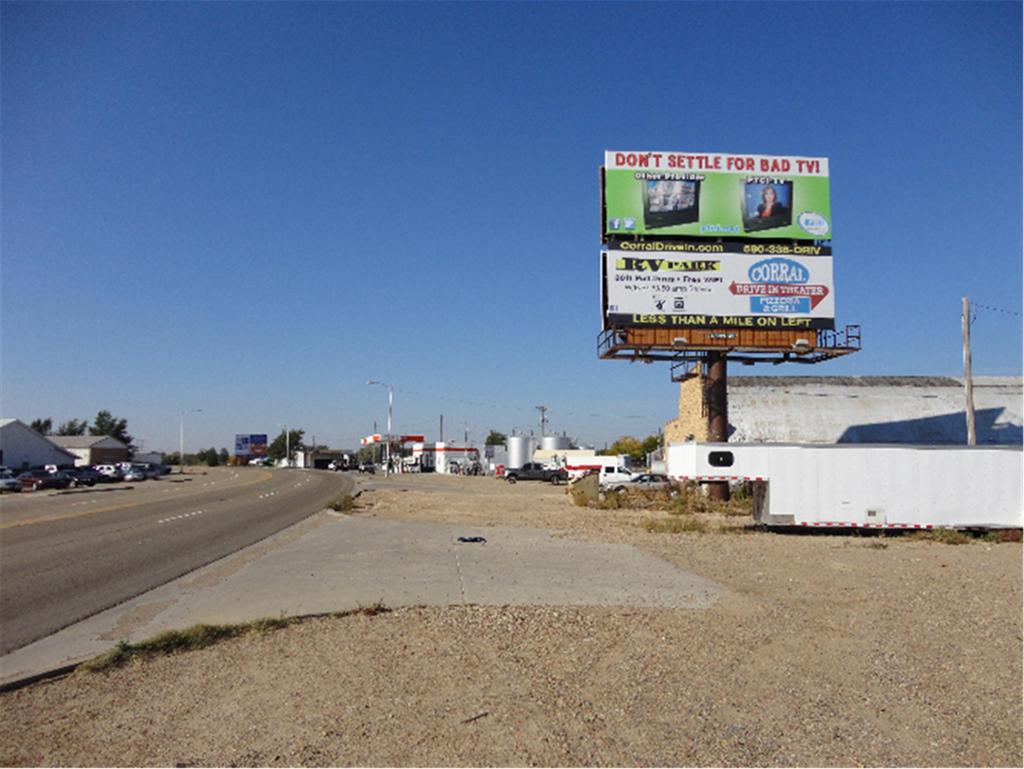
<point>181,439</point>
<point>387,437</point>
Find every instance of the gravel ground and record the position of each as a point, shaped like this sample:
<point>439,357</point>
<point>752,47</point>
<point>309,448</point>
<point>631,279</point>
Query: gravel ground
<point>827,651</point>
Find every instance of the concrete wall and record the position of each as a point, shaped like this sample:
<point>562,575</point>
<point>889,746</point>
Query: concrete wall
<point>692,422</point>
<point>922,410</point>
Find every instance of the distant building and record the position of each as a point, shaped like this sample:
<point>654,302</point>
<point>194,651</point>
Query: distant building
<point>867,409</point>
<point>21,447</point>
<point>149,457</point>
<point>93,449</point>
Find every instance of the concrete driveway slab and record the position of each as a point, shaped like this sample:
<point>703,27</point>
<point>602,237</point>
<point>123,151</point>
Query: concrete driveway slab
<point>331,563</point>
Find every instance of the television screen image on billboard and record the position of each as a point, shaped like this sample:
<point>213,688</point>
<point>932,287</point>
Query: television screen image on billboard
<point>671,201</point>
<point>767,205</point>
<point>686,195</point>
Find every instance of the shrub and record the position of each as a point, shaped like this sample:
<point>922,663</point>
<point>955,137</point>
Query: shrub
<point>342,504</point>
<point>945,536</point>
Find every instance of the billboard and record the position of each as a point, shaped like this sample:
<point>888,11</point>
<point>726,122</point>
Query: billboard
<point>734,290</point>
<point>716,195</point>
<point>250,445</point>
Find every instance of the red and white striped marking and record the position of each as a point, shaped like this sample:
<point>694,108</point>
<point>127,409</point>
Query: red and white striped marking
<point>719,478</point>
<point>853,525</point>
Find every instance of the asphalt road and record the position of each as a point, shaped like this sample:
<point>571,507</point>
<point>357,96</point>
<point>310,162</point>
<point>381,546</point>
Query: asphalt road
<point>66,556</point>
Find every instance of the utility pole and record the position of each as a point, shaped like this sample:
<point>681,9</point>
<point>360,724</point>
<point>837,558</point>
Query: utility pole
<point>387,438</point>
<point>441,434</point>
<point>965,318</point>
<point>543,420</point>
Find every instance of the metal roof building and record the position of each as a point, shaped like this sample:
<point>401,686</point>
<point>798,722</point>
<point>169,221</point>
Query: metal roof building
<point>21,447</point>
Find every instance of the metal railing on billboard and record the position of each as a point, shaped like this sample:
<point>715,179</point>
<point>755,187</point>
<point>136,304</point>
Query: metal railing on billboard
<point>615,344</point>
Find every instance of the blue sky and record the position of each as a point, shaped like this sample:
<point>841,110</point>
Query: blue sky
<point>253,209</point>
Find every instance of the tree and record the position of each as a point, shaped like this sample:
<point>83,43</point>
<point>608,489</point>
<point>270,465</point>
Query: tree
<point>223,456</point>
<point>276,450</point>
<point>42,426</point>
<point>496,439</point>
<point>651,444</point>
<point>73,427</point>
<point>210,457</point>
<point>107,424</point>
<point>634,448</point>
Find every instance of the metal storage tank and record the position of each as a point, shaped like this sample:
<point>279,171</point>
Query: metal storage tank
<point>520,450</point>
<point>555,443</point>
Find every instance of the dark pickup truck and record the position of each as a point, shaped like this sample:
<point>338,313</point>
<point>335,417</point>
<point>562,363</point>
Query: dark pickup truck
<point>534,471</point>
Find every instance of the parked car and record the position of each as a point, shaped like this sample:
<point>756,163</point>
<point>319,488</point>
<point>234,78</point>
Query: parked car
<point>8,481</point>
<point>534,471</point>
<point>367,467</point>
<point>260,461</point>
<point>645,482</point>
<point>84,476</point>
<point>40,478</point>
<point>135,473</point>
<point>111,471</point>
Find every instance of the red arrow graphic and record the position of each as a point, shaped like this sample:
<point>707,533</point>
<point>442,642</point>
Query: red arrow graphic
<point>816,293</point>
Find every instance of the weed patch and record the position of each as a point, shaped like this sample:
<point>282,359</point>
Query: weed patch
<point>369,611</point>
<point>676,526</point>
<point>685,499</point>
<point>691,499</point>
<point>945,536</point>
<point>1005,535</point>
<point>173,641</point>
<point>342,503</point>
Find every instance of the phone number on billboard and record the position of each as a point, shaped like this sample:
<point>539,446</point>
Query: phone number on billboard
<point>782,248</point>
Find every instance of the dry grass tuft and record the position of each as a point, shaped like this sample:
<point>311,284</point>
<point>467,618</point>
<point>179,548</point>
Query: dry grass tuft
<point>945,536</point>
<point>676,526</point>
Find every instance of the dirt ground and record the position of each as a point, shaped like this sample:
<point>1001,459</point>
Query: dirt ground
<point>827,651</point>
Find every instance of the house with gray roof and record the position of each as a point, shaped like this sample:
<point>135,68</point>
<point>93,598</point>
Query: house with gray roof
<point>93,449</point>
<point>21,447</point>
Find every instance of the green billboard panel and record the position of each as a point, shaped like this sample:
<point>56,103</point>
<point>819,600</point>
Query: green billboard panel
<point>716,195</point>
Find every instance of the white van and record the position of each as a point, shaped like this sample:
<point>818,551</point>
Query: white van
<point>612,470</point>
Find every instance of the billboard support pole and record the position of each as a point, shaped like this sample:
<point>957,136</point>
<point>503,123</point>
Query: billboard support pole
<point>968,382</point>
<point>718,414</point>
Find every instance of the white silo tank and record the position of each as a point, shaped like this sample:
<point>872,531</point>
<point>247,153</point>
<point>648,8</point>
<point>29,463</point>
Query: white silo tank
<point>520,450</point>
<point>555,443</point>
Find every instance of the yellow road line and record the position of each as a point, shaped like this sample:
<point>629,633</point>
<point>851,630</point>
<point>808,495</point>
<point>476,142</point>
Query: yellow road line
<point>83,513</point>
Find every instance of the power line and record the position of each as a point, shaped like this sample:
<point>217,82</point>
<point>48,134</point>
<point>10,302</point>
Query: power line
<point>976,306</point>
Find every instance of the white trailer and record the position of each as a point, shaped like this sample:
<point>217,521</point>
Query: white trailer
<point>865,486</point>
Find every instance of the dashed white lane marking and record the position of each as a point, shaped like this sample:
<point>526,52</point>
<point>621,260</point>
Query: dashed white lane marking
<point>179,517</point>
